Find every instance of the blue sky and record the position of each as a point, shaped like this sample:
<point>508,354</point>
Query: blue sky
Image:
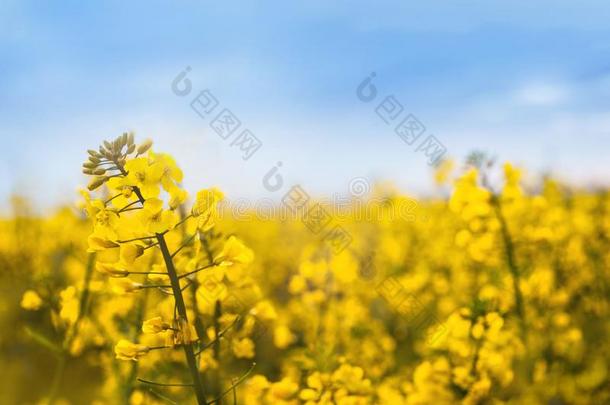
<point>527,82</point>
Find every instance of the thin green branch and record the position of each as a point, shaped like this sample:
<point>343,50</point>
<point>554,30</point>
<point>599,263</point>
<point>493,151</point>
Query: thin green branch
<point>162,384</point>
<point>163,397</point>
<point>183,220</point>
<point>112,198</point>
<point>185,244</point>
<point>155,286</point>
<point>233,386</point>
<point>136,239</point>
<point>130,204</point>
<point>207,266</point>
<point>220,335</point>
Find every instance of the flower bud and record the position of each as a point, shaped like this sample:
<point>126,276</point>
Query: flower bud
<point>96,182</point>
<point>144,146</point>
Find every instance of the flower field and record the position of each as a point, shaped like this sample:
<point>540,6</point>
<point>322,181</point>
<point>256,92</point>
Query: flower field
<point>493,292</point>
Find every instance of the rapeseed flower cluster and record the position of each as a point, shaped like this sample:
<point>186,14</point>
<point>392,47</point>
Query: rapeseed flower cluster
<point>496,293</point>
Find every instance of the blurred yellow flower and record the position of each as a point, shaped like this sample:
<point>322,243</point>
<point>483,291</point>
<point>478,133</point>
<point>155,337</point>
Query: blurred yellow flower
<point>31,300</point>
<point>243,348</point>
<point>234,252</point>
<point>69,304</point>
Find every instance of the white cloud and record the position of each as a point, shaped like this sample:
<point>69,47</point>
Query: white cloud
<point>541,94</point>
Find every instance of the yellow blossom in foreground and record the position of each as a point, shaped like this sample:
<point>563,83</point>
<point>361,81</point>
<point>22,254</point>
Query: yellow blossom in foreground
<point>129,252</point>
<point>126,350</point>
<point>124,285</point>
<point>111,269</point>
<point>155,219</point>
<point>186,333</point>
<point>205,209</point>
<point>99,243</point>
<point>154,325</point>
<point>145,176</point>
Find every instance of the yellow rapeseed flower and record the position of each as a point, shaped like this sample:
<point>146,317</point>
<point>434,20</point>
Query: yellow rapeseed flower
<point>243,348</point>
<point>205,208</point>
<point>154,325</point>
<point>145,176</point>
<point>234,252</point>
<point>126,350</point>
<point>155,219</point>
<point>31,300</point>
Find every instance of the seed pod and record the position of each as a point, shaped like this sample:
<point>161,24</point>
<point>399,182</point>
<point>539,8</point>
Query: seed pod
<point>89,165</point>
<point>99,171</point>
<point>144,146</point>
<point>131,148</point>
<point>96,182</point>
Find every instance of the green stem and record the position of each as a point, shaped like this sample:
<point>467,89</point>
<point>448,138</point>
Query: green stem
<point>217,376</point>
<point>509,251</point>
<point>181,307</point>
